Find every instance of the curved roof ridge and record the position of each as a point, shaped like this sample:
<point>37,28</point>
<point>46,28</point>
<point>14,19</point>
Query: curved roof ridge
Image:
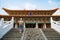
<point>58,11</point>
<point>30,10</point>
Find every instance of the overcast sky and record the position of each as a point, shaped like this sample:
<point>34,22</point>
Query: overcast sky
<point>28,4</point>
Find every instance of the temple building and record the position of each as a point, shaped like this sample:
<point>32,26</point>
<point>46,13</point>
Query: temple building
<point>31,18</point>
<point>30,25</point>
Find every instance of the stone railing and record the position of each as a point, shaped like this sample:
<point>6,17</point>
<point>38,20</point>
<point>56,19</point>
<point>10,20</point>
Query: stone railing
<point>22,37</point>
<point>4,29</point>
<point>55,25</point>
<point>1,22</point>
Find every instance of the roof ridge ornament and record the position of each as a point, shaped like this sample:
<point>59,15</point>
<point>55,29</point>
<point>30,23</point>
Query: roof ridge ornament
<point>36,9</point>
<point>24,8</point>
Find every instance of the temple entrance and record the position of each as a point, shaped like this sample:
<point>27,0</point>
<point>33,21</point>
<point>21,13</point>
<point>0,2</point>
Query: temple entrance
<point>40,25</point>
<point>30,25</point>
<point>48,25</point>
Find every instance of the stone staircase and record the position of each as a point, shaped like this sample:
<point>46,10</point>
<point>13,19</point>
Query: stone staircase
<point>51,34</point>
<point>33,34</point>
<point>13,34</point>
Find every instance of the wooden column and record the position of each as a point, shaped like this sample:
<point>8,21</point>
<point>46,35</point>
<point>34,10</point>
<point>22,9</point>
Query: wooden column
<point>16,26</point>
<point>44,26</point>
<point>36,25</point>
<point>24,24</point>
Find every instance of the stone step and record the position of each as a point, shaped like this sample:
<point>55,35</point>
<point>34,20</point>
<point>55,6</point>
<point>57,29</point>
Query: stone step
<point>51,34</point>
<point>13,34</point>
<point>10,39</point>
<point>53,38</point>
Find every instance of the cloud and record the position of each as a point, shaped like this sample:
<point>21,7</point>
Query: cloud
<point>51,2</point>
<point>30,6</point>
